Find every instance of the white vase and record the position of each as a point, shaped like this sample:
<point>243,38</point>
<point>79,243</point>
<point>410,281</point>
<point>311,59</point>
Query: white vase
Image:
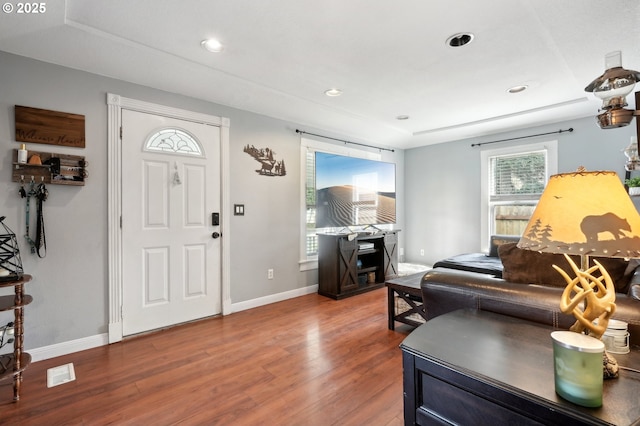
<point>634,191</point>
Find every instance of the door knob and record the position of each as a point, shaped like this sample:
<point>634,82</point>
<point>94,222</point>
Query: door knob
<point>215,235</point>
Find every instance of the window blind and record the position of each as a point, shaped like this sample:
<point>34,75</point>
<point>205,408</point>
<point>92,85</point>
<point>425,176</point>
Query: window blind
<point>517,176</point>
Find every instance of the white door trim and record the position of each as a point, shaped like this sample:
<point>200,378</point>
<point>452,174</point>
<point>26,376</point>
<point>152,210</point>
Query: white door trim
<point>115,104</point>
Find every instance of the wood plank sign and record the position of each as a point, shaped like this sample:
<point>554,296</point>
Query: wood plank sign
<point>49,127</point>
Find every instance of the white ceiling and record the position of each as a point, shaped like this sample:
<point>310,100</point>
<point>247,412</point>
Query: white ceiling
<point>390,58</point>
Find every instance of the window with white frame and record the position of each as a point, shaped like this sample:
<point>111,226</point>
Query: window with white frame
<point>512,181</point>
<point>308,231</point>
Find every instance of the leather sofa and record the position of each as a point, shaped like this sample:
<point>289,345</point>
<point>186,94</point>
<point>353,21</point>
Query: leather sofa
<point>445,290</point>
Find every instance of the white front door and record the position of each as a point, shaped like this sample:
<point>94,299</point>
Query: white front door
<point>170,190</point>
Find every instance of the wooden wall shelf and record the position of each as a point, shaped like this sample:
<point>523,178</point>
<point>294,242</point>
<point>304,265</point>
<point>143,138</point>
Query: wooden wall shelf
<point>57,169</point>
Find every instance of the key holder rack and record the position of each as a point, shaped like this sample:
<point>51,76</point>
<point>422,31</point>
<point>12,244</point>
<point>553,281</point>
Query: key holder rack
<point>56,169</point>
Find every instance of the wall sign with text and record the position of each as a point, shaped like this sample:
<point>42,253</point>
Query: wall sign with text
<point>49,127</point>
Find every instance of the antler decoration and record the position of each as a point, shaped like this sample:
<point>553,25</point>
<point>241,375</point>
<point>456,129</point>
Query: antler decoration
<point>600,299</point>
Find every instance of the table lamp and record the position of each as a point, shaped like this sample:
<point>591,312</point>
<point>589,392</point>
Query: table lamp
<point>586,213</point>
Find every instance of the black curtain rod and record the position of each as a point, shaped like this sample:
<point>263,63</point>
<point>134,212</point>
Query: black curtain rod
<point>341,140</point>
<point>570,129</point>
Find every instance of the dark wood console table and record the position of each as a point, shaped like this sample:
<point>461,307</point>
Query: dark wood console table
<point>480,368</point>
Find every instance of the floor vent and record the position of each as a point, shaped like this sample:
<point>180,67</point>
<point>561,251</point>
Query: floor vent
<point>59,375</point>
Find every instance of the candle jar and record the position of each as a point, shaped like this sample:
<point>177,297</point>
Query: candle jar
<point>578,367</point>
<point>616,337</point>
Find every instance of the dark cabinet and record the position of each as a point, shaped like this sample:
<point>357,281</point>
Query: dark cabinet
<point>473,367</point>
<point>350,264</point>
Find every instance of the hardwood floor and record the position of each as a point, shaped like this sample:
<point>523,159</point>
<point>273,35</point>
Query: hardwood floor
<point>305,361</point>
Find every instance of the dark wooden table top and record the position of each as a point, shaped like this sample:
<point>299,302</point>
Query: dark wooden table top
<point>25,278</point>
<point>517,356</point>
<point>411,281</point>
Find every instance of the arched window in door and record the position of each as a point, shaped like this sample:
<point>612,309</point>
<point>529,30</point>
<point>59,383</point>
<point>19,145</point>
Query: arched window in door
<point>174,141</point>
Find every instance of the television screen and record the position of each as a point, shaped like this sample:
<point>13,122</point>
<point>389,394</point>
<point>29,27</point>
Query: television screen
<point>354,191</point>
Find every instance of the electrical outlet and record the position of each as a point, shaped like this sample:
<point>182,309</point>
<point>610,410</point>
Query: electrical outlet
<point>421,252</point>
<point>270,274</point>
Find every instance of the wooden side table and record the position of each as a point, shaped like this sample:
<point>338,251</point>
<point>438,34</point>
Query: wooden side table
<point>477,367</point>
<point>407,288</point>
<point>12,365</point>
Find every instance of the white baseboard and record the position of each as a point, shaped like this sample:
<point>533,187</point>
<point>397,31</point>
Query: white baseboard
<point>273,298</point>
<point>65,348</point>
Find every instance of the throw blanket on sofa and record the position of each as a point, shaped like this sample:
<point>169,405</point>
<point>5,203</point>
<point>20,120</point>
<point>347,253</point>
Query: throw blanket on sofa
<point>480,262</point>
<point>473,262</point>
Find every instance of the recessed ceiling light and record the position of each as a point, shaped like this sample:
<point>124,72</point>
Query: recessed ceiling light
<point>402,117</point>
<point>333,92</point>
<point>212,45</point>
<point>518,89</point>
<point>460,39</point>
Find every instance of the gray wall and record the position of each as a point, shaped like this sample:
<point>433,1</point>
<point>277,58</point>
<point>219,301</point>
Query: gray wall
<point>438,196</point>
<point>443,182</point>
<point>70,287</point>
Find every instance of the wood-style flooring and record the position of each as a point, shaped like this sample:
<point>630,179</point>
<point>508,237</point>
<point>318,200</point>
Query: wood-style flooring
<point>305,361</point>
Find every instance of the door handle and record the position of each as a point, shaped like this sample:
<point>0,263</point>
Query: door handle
<point>215,235</point>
